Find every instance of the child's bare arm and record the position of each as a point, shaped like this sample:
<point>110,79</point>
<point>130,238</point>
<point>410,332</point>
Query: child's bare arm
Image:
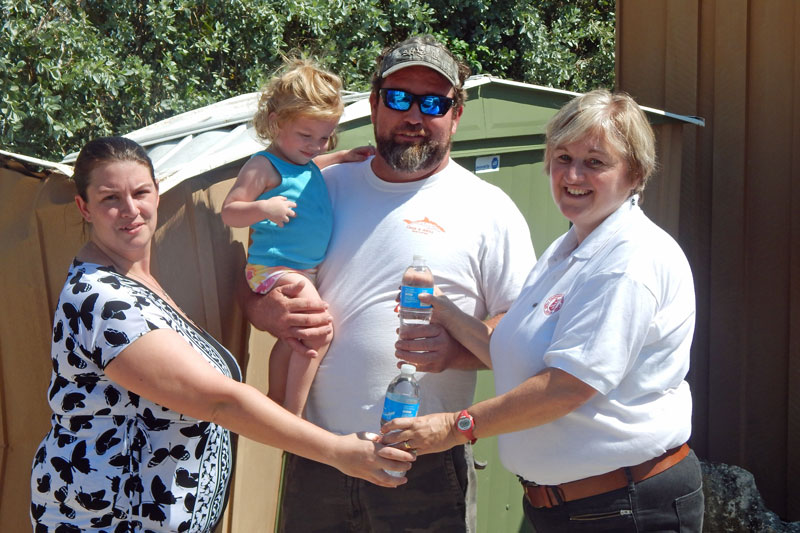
<point>241,207</point>
<point>344,156</point>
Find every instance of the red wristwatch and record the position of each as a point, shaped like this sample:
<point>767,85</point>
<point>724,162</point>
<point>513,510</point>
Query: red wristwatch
<point>466,424</point>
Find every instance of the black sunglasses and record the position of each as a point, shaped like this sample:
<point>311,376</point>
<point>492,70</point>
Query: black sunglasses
<point>429,104</point>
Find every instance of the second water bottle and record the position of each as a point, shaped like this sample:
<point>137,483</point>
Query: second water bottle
<point>402,399</point>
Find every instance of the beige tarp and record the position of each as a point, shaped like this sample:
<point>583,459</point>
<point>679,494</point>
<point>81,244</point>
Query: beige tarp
<point>196,258</point>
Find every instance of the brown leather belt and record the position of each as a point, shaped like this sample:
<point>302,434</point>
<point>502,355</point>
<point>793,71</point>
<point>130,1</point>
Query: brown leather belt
<point>552,495</point>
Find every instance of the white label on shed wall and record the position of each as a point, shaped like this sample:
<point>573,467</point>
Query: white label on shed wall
<point>489,163</point>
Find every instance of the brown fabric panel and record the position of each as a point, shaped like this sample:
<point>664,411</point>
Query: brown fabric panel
<point>35,229</point>
<point>197,259</point>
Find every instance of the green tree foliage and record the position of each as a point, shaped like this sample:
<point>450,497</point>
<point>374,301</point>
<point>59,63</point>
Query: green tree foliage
<point>75,69</point>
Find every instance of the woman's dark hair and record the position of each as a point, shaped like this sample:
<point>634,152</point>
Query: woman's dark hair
<point>106,150</point>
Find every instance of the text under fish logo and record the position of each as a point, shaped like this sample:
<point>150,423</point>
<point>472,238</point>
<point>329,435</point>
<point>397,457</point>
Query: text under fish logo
<point>425,225</point>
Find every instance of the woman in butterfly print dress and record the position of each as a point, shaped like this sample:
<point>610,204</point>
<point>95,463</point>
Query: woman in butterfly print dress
<point>141,397</point>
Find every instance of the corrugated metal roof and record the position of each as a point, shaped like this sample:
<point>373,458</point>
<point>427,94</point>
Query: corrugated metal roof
<point>7,157</point>
<point>210,137</point>
<point>195,142</point>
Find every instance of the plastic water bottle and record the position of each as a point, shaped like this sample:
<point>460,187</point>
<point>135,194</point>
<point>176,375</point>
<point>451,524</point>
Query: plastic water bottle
<point>402,400</point>
<point>417,279</point>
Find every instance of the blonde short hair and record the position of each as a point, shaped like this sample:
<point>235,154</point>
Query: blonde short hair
<point>614,117</point>
<point>300,88</point>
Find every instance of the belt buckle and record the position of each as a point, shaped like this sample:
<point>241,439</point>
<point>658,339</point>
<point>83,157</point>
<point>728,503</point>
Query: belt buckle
<point>542,496</point>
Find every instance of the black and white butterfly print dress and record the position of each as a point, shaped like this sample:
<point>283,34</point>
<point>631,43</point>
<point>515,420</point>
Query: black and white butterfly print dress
<point>114,461</point>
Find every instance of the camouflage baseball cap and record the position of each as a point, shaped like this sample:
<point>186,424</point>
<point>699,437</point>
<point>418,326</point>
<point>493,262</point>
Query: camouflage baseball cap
<point>424,55</point>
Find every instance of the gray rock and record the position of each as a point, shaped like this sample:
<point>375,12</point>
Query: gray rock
<point>733,503</point>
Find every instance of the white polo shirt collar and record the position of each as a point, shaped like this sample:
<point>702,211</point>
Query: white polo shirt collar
<point>598,238</point>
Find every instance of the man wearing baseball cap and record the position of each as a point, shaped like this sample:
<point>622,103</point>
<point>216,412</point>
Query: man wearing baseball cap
<point>409,199</point>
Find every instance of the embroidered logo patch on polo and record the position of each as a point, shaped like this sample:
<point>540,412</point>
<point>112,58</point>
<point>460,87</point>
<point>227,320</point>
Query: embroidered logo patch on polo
<point>553,304</point>
<point>426,226</point>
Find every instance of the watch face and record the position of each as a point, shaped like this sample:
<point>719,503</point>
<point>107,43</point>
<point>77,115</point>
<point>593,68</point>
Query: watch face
<point>464,423</point>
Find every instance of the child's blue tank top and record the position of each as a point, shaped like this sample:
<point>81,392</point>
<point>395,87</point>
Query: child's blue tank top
<point>302,242</point>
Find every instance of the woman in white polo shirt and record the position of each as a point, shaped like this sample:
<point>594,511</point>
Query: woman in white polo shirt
<point>593,410</point>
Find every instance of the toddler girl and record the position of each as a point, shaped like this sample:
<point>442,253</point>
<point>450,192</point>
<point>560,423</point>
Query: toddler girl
<point>297,114</point>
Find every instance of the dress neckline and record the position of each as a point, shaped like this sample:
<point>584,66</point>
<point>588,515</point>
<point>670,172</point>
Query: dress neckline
<point>230,361</point>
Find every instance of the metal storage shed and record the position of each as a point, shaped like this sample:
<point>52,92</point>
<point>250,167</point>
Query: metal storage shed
<point>196,156</point>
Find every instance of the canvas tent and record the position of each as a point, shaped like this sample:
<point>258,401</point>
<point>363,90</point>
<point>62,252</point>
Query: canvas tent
<point>41,230</point>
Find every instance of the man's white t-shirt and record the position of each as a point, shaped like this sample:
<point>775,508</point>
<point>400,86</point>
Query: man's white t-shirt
<point>618,313</point>
<point>475,241</point>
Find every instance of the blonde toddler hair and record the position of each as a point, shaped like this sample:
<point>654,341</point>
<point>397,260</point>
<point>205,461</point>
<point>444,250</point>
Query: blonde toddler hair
<point>300,88</point>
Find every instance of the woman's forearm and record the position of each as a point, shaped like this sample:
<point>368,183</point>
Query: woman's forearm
<point>163,368</point>
<point>540,399</point>
<point>543,398</point>
<point>249,413</point>
<point>471,332</point>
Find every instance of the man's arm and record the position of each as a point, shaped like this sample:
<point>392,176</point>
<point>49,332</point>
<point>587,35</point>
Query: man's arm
<point>303,323</point>
<point>432,349</point>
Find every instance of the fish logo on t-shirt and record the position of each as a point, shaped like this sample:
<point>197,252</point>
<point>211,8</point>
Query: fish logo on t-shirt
<point>553,304</point>
<point>426,226</point>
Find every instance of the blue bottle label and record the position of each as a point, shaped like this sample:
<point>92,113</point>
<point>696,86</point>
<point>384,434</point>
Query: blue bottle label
<point>409,296</point>
<point>394,409</point>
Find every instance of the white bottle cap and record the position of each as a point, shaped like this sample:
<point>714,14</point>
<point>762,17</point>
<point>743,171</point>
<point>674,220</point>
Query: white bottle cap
<point>407,368</point>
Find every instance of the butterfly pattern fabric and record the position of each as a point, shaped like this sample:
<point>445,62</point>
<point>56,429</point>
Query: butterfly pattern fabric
<point>114,461</point>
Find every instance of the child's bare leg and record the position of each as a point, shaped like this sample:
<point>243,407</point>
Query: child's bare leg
<point>301,374</point>
<point>300,369</point>
<point>278,370</point>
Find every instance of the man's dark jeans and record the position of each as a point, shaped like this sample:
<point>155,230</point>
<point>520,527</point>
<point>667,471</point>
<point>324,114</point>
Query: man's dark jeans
<point>319,498</point>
